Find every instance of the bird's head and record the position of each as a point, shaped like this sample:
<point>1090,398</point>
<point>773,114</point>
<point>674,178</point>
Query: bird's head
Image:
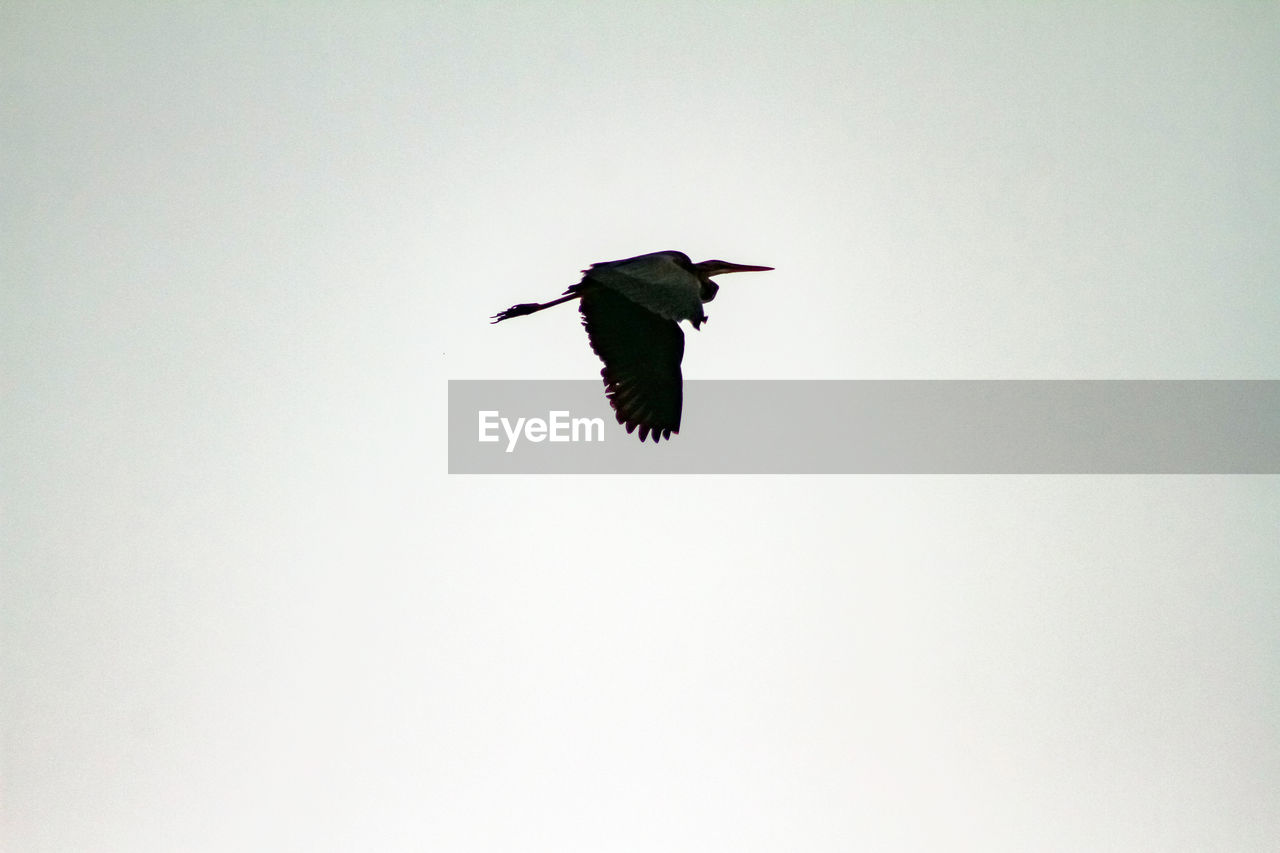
<point>710,268</point>
<point>706,269</point>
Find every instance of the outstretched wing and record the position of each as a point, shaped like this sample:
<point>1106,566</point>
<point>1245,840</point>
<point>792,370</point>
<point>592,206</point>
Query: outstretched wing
<point>641,352</point>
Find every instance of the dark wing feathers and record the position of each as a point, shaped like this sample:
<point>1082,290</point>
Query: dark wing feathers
<point>641,352</point>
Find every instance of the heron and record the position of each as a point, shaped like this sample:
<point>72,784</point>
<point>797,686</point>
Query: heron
<point>632,310</point>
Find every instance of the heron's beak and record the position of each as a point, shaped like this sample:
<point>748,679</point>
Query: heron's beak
<point>723,267</point>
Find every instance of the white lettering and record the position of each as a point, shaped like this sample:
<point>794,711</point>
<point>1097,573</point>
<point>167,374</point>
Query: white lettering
<point>512,434</point>
<point>558,426</point>
<point>487,423</point>
<point>587,424</point>
<point>558,423</point>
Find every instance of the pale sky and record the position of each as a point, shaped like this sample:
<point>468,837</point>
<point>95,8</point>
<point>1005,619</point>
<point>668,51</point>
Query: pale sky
<point>245,608</point>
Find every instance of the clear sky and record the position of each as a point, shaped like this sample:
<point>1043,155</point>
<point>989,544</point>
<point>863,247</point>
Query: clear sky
<point>244,607</point>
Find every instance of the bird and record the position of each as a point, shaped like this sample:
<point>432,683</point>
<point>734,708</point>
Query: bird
<point>632,310</point>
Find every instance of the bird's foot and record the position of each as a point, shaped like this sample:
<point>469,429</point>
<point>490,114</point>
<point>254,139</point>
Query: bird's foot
<point>515,311</point>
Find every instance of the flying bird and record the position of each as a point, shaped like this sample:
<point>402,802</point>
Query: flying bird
<point>632,310</point>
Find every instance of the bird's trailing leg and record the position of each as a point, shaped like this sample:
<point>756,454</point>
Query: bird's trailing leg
<point>529,307</point>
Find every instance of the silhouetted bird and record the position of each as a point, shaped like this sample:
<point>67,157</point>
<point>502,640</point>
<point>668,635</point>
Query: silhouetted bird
<point>632,311</point>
